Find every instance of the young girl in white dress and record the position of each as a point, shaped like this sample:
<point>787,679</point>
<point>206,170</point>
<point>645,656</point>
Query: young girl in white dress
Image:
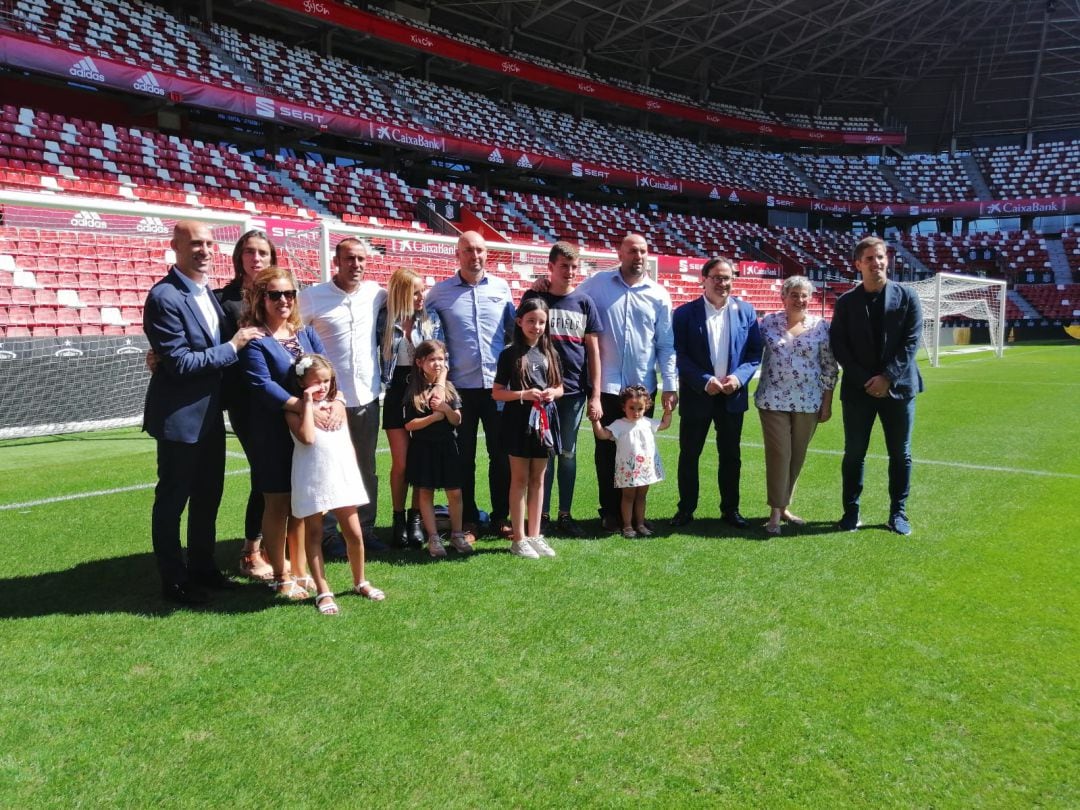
<point>325,478</point>
<point>637,464</point>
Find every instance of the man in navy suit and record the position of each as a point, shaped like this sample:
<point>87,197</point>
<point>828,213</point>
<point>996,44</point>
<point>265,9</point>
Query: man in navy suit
<point>181,319</point>
<point>717,349</point>
<point>874,335</point>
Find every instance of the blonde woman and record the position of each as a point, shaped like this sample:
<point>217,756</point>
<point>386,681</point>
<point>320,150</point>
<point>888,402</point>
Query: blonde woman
<point>403,325</point>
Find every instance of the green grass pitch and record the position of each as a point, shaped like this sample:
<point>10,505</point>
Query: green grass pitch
<point>819,669</point>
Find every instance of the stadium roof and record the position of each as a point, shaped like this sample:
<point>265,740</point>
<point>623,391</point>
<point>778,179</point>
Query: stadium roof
<point>962,67</point>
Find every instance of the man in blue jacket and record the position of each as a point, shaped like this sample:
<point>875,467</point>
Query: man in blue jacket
<point>874,336</point>
<point>181,320</point>
<point>717,349</point>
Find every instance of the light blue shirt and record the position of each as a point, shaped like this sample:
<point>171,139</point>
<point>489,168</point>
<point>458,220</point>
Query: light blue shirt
<point>477,321</point>
<point>637,336</point>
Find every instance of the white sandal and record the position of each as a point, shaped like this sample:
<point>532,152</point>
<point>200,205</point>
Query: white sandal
<point>369,591</point>
<point>329,606</point>
<point>289,589</point>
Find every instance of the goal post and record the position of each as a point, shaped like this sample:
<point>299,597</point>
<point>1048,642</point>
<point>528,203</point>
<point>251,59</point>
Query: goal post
<point>955,302</point>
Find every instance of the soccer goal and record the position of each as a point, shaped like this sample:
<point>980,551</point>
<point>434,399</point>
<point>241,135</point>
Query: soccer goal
<point>74,273</point>
<point>961,310</point>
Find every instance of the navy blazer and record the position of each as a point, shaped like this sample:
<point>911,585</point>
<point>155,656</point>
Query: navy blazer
<point>853,344</point>
<point>267,369</point>
<point>183,397</point>
<point>693,356</point>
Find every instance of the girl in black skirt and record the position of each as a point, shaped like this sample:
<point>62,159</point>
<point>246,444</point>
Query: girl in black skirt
<point>529,380</point>
<point>433,461</point>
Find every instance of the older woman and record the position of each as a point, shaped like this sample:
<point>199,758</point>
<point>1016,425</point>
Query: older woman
<point>253,253</point>
<point>403,325</point>
<point>794,393</point>
<point>268,361</point>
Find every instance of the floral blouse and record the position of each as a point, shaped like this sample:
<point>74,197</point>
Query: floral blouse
<point>794,370</point>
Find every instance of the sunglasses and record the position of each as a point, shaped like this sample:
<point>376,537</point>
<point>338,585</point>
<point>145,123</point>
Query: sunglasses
<point>277,295</point>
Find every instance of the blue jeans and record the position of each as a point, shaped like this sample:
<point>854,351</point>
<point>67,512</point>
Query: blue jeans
<point>570,409</point>
<point>897,419</point>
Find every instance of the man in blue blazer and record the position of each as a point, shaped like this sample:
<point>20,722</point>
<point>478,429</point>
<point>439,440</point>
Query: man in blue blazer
<point>181,319</point>
<point>874,336</point>
<point>717,349</point>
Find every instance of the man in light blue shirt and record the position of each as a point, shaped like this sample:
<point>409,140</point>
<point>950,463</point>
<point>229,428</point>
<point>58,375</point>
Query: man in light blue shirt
<point>637,341</point>
<point>476,312</point>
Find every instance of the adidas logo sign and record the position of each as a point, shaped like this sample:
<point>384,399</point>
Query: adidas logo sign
<point>151,225</point>
<point>733,197</point>
<point>86,69</point>
<point>148,83</point>
<point>496,157</point>
<point>524,162</point>
<point>88,219</point>
<point>714,194</point>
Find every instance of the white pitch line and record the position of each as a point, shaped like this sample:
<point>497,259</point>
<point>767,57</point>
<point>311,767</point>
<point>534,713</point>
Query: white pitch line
<point>78,496</point>
<point>480,449</point>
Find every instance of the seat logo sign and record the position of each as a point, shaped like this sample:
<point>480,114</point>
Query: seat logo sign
<point>86,69</point>
<point>264,107</point>
<point>148,83</point>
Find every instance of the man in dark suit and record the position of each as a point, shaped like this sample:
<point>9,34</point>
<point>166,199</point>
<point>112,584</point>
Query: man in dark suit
<point>717,349</point>
<point>874,335</point>
<point>181,320</point>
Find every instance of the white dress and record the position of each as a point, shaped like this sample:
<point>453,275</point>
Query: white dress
<point>636,461</point>
<point>325,475</point>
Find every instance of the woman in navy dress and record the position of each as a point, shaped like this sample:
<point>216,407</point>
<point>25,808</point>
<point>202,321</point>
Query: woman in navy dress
<point>268,361</point>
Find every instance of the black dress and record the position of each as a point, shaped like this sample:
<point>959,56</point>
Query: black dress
<point>433,460</point>
<point>515,436</point>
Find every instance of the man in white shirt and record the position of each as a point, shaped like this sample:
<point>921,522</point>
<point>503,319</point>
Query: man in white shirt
<point>717,349</point>
<point>344,311</point>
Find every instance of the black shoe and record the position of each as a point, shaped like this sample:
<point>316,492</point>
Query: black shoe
<point>568,527</point>
<point>372,543</point>
<point>334,548</point>
<point>214,581</point>
<point>184,593</point>
<point>849,522</point>
<point>681,518</point>
<point>414,529</point>
<point>733,518</point>
<point>398,535</point>
<point>545,524</point>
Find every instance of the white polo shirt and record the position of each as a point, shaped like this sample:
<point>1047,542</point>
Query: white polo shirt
<point>345,322</point>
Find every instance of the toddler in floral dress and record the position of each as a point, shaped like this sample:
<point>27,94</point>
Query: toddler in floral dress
<point>637,463</point>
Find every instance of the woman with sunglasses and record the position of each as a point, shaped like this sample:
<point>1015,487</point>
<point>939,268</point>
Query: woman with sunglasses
<point>268,361</point>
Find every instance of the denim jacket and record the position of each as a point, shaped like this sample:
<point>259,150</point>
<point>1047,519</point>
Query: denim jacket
<point>429,330</point>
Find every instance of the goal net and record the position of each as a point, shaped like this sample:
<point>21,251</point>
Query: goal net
<point>961,310</point>
<point>431,256</point>
<point>74,273</point>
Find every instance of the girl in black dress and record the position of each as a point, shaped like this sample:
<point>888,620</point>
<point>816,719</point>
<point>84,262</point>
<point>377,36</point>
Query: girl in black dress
<point>529,380</point>
<point>433,461</point>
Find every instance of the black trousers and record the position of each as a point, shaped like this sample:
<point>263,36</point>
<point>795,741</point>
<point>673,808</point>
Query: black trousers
<point>477,407</point>
<point>697,411</point>
<point>240,419</point>
<point>191,476</point>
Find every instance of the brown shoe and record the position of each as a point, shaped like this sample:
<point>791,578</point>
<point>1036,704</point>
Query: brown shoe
<point>254,566</point>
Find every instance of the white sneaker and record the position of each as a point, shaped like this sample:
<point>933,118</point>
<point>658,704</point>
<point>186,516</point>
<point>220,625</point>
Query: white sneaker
<point>541,548</point>
<point>523,548</point>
